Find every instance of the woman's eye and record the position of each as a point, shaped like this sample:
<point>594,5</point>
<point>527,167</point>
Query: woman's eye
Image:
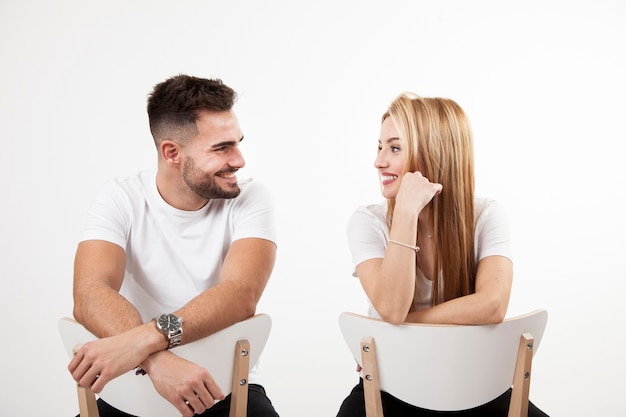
<point>395,149</point>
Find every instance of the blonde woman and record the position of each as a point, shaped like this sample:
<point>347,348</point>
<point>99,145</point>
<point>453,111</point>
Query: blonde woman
<point>434,252</point>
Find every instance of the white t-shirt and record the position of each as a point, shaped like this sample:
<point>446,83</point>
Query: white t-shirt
<point>173,255</point>
<point>368,237</point>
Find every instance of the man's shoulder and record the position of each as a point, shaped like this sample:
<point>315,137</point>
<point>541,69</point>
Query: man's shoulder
<point>131,184</point>
<point>131,189</point>
<point>139,179</point>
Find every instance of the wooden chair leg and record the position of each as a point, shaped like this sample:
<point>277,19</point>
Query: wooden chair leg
<point>239,394</point>
<point>87,405</point>
<point>521,380</point>
<point>371,383</point>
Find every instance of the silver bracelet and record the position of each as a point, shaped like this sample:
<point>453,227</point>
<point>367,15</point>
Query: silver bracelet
<point>415,248</point>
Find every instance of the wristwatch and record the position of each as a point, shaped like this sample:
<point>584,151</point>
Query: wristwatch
<point>172,327</point>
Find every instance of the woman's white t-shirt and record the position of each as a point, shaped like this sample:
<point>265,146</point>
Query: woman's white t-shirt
<point>368,238</point>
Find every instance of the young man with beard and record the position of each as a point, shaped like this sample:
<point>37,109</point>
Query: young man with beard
<point>188,243</point>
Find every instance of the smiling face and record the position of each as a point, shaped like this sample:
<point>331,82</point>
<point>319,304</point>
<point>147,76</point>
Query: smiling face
<point>389,161</point>
<point>212,158</point>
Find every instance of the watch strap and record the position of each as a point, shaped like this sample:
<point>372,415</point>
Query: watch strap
<point>174,338</point>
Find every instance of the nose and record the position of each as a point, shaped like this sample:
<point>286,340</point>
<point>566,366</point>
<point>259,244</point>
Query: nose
<point>237,160</point>
<point>380,161</point>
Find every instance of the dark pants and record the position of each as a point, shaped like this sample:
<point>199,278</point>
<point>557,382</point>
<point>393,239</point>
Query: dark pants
<point>354,406</point>
<point>258,406</point>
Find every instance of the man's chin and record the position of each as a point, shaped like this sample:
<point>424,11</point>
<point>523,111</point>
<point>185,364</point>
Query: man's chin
<point>230,192</point>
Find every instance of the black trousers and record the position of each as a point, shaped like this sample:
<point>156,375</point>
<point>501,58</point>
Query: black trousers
<point>354,406</point>
<point>259,405</point>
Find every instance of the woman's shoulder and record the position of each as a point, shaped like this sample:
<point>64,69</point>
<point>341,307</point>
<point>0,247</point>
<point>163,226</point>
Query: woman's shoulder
<point>376,210</point>
<point>485,206</point>
<point>367,218</point>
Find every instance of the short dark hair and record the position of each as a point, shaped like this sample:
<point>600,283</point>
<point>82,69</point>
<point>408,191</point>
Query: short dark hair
<point>174,105</point>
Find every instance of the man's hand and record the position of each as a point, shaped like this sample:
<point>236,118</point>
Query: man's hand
<point>98,362</point>
<point>189,387</point>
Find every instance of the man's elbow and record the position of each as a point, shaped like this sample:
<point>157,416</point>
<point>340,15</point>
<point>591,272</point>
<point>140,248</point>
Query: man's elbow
<point>248,305</point>
<point>78,313</point>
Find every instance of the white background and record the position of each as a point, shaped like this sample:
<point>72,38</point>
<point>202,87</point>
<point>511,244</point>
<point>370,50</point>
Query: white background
<point>543,85</point>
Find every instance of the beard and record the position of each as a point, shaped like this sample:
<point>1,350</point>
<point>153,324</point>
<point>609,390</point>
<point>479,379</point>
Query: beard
<point>204,184</point>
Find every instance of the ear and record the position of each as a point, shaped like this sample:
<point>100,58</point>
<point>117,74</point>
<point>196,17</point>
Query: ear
<point>170,152</point>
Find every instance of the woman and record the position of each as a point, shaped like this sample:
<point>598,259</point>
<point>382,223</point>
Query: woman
<point>434,253</point>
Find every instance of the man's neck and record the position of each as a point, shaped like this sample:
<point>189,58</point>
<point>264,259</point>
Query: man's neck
<point>176,193</point>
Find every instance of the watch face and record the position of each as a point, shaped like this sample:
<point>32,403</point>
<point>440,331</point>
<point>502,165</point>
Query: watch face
<point>168,322</point>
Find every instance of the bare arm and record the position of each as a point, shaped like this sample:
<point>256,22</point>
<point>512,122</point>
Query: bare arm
<point>246,270</point>
<point>487,305</point>
<point>390,282</point>
<point>126,342</point>
<point>99,271</point>
<point>245,273</point>
<point>98,274</point>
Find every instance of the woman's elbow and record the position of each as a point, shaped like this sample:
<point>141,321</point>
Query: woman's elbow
<point>496,311</point>
<point>496,318</point>
<point>392,316</point>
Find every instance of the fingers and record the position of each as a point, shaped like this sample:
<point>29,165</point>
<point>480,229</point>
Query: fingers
<point>86,373</point>
<point>420,177</point>
<point>79,367</point>
<point>213,389</point>
<point>194,405</point>
<point>90,378</point>
<point>416,191</point>
<point>197,397</point>
<point>210,393</point>
<point>197,403</point>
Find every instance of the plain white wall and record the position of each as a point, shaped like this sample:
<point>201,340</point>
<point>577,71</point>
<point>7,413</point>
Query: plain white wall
<point>542,82</point>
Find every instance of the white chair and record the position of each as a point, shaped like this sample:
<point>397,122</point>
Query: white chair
<point>445,367</point>
<point>228,355</point>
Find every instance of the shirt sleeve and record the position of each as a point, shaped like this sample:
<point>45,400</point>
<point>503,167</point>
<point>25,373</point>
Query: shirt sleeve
<point>367,236</point>
<point>254,215</point>
<point>493,235</point>
<point>109,217</point>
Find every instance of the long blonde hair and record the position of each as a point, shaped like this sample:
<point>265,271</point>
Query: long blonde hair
<point>436,140</point>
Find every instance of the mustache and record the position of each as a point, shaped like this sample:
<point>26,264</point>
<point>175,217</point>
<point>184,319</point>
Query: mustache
<point>227,171</point>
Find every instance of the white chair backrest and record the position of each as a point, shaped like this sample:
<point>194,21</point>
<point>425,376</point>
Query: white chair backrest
<point>444,367</point>
<point>135,394</point>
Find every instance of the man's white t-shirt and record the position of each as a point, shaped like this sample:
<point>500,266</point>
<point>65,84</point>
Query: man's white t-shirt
<point>368,238</point>
<point>173,255</point>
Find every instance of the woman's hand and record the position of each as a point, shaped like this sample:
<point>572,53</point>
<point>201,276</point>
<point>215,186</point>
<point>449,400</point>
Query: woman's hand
<point>415,192</point>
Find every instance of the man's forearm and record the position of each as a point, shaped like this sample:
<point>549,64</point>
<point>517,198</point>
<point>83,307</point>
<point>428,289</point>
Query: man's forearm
<point>103,311</point>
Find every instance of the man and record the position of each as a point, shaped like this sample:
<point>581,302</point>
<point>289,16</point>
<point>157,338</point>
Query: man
<point>188,240</point>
